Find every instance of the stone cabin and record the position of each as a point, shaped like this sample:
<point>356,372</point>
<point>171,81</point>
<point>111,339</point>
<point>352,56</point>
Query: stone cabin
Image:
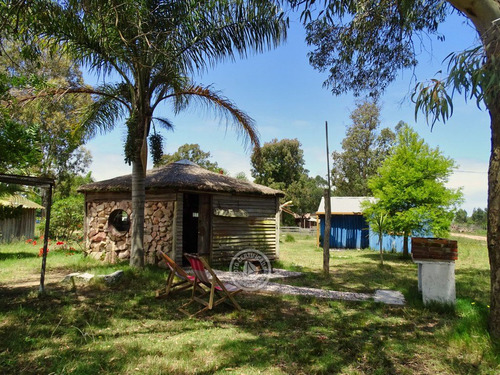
<point>188,210</point>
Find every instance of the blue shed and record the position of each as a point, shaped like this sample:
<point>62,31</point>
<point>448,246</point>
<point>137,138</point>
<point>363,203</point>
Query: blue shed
<point>349,229</point>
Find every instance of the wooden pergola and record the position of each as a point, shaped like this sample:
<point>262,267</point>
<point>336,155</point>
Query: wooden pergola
<point>43,182</point>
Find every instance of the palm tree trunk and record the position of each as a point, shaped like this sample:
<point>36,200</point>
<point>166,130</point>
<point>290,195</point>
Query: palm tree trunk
<point>138,201</point>
<point>380,239</point>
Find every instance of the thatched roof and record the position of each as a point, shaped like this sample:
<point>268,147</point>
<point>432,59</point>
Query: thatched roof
<point>182,175</point>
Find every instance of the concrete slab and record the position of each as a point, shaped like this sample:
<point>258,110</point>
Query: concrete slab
<point>389,297</point>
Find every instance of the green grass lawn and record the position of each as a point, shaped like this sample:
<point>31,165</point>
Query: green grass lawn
<point>123,329</point>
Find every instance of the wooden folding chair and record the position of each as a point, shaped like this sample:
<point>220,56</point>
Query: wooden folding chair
<point>186,281</point>
<point>206,277</point>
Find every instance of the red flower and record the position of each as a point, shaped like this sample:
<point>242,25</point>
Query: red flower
<point>29,241</point>
<point>40,253</point>
<point>34,243</point>
<point>60,243</point>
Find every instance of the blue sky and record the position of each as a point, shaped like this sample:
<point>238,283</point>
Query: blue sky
<point>284,95</point>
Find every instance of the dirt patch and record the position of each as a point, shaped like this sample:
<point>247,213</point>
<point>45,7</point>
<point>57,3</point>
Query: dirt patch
<point>470,236</point>
<point>33,281</point>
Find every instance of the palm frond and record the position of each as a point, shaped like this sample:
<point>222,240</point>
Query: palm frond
<point>209,99</point>
<point>108,107</point>
<point>209,32</point>
<point>165,122</point>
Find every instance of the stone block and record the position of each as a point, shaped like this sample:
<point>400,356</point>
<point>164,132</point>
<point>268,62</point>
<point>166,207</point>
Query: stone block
<point>124,255</point>
<point>101,236</point>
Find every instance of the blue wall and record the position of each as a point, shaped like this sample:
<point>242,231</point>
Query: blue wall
<point>389,243</point>
<point>352,232</point>
<point>347,232</point>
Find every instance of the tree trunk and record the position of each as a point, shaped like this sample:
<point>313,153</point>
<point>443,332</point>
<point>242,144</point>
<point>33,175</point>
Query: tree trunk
<point>494,219</point>
<point>380,239</point>
<point>406,253</point>
<point>138,201</point>
<point>485,15</point>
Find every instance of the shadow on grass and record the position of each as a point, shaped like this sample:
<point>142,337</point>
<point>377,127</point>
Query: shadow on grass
<point>388,256</point>
<point>360,278</point>
<point>19,255</point>
<point>124,329</point>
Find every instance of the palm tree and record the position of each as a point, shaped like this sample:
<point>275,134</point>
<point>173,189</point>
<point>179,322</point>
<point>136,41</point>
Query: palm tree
<point>378,223</point>
<point>151,49</point>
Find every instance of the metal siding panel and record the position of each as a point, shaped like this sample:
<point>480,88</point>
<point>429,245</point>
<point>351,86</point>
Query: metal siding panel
<point>389,242</point>
<point>347,232</point>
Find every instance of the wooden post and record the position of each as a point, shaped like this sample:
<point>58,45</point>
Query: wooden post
<point>41,290</point>
<point>328,212</point>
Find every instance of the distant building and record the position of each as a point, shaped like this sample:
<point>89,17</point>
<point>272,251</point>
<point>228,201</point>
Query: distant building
<point>349,228</point>
<point>17,218</point>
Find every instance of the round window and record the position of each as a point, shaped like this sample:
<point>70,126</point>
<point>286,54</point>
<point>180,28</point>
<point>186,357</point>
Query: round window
<point>120,220</point>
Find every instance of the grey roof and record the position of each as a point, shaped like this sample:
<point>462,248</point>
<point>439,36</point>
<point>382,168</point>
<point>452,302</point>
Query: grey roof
<point>344,205</point>
<point>182,176</point>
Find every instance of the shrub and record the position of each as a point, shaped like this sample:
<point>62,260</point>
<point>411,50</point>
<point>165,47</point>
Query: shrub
<point>66,218</point>
<point>289,238</point>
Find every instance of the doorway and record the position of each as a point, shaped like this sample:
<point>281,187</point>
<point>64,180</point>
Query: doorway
<point>190,216</point>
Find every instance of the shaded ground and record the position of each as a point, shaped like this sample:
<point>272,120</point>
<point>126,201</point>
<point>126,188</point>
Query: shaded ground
<point>123,329</point>
<point>33,280</point>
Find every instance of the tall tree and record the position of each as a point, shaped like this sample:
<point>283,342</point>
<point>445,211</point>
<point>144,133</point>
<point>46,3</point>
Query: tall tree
<point>152,48</point>
<point>278,163</point>
<point>479,217</point>
<point>461,216</point>
<point>191,152</point>
<point>305,193</point>
<point>54,122</point>
<point>410,188</point>
<point>364,43</point>
<point>363,151</point>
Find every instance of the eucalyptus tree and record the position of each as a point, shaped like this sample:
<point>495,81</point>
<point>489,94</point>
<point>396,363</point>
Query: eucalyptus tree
<point>363,44</point>
<point>150,50</point>
<point>363,150</point>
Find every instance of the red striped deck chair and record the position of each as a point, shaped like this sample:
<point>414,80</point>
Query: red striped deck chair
<point>206,277</point>
<point>186,281</point>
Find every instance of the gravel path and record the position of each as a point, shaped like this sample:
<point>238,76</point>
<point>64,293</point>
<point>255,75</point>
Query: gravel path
<point>256,283</point>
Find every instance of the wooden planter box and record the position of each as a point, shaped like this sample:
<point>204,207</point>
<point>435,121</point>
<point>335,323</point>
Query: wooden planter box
<point>434,248</point>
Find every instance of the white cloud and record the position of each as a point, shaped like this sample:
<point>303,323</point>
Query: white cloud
<point>472,177</point>
<point>107,164</point>
<point>232,161</point>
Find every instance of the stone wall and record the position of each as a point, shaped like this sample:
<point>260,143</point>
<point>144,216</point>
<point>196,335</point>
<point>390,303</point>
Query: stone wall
<point>104,242</point>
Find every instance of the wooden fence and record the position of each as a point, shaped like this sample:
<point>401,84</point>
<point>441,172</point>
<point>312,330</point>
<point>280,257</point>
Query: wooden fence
<point>311,231</point>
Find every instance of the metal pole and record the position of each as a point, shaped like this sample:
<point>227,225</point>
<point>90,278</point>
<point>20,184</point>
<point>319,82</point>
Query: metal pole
<point>45,242</point>
<point>328,212</point>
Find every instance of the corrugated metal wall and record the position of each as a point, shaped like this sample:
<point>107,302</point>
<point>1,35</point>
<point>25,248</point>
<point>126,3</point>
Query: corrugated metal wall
<point>255,231</point>
<point>22,227</point>
<point>347,232</point>
<point>352,232</point>
<point>389,242</point>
